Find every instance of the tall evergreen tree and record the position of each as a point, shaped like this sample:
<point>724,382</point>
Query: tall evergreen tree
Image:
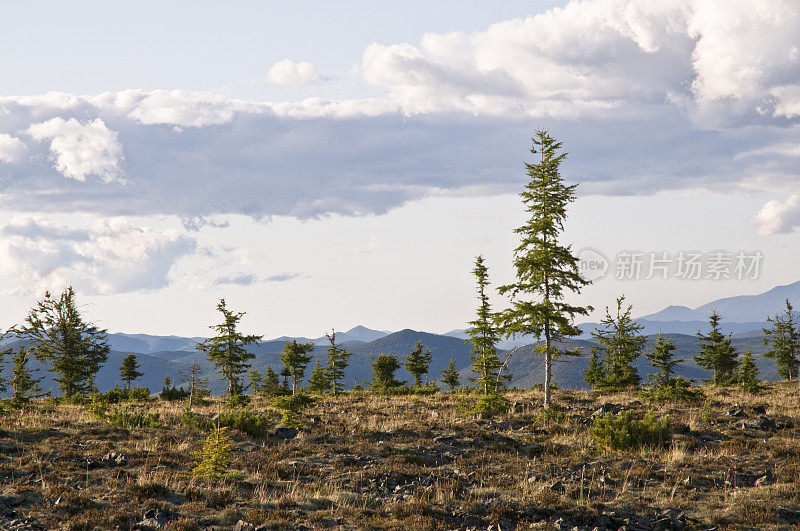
<point>295,358</point>
<point>620,343</point>
<point>74,349</point>
<point>417,362</point>
<point>450,376</point>
<point>338,360</point>
<point>546,270</point>
<point>228,349</point>
<point>129,370</point>
<point>662,358</point>
<point>747,374</point>
<point>320,380</point>
<point>24,385</point>
<point>783,340</point>
<point>717,353</point>
<point>484,337</point>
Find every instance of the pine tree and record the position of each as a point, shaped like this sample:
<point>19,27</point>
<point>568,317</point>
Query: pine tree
<point>197,384</point>
<point>450,376</point>
<point>620,343</point>
<point>593,375</point>
<point>783,340</point>
<point>320,380</point>
<point>228,349</point>
<point>662,358</point>
<point>747,374</point>
<point>717,353</point>
<point>23,383</point>
<point>484,336</point>
<point>383,369</point>
<point>128,371</point>
<point>167,382</point>
<point>74,349</point>
<point>417,362</point>
<point>271,384</point>
<point>546,271</point>
<point>295,358</point>
<point>338,360</point>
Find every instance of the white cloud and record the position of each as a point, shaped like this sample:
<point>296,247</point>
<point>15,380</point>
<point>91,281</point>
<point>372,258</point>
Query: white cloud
<point>777,217</point>
<point>100,256</point>
<point>291,73</point>
<point>81,149</point>
<point>11,148</point>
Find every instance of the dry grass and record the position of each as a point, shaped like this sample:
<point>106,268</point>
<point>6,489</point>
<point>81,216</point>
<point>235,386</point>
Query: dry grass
<point>410,463</point>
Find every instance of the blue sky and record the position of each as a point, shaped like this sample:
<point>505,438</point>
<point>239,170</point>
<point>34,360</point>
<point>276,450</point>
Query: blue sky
<point>326,166</point>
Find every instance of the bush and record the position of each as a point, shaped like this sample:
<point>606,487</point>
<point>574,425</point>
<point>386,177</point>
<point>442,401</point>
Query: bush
<point>174,393</point>
<point>675,390</point>
<point>214,458</point>
<point>197,422</point>
<point>623,432</point>
<point>123,418</point>
<point>550,415</point>
<point>491,404</point>
<point>247,421</point>
<point>291,407</point>
<point>134,394</point>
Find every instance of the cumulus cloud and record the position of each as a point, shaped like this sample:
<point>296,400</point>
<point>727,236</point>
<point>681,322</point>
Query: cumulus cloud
<point>101,256</point>
<point>291,73</point>
<point>777,217</point>
<point>81,149</point>
<point>11,148</point>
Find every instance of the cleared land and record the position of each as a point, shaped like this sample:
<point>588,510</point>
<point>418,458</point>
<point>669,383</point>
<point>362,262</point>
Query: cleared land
<point>411,462</point>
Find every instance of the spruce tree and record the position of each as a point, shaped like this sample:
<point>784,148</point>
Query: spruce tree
<point>717,353</point>
<point>271,384</point>
<point>546,270</point>
<point>594,375</point>
<point>129,370</point>
<point>196,383</point>
<point>228,349</point>
<point>450,376</point>
<point>74,349</point>
<point>383,369</point>
<point>747,374</point>
<point>783,340</point>
<point>484,336</point>
<point>320,380</point>
<point>662,358</point>
<point>338,360</point>
<point>295,358</point>
<point>620,344</point>
<point>24,385</point>
<point>417,362</point>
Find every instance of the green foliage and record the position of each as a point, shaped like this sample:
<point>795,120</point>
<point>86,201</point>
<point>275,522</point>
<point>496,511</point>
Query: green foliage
<point>74,349</point>
<point>195,382</point>
<point>320,380</point>
<point>717,353</point>
<point>129,370</point>
<point>172,394</point>
<point>291,407</point>
<point>191,419</point>
<point>678,389</point>
<point>547,416</point>
<point>268,385</point>
<point>483,335</point>
<point>620,344</point>
<point>491,404</point>
<point>450,376</point>
<point>247,421</point>
<point>661,358</point>
<point>747,374</point>
<point>24,385</point>
<point>417,362</point>
<point>122,417</point>
<point>383,369</point>
<point>228,349</point>
<point>338,360</point>
<point>783,340</point>
<point>623,432</point>
<point>214,458</point>
<point>546,270</point>
<point>117,395</point>
<point>295,358</point>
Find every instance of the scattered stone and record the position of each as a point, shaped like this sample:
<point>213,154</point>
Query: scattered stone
<point>761,423</point>
<point>607,408</point>
<point>154,519</point>
<point>241,525</point>
<point>736,411</point>
<point>115,458</point>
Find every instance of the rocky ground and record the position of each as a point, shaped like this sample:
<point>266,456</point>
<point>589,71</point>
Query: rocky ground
<point>412,462</point>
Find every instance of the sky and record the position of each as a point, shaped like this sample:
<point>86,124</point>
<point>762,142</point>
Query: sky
<point>327,165</point>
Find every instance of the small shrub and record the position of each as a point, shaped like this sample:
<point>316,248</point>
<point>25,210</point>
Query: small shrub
<point>623,432</point>
<point>247,421</point>
<point>123,418</point>
<point>675,390</point>
<point>215,456</point>
<point>291,407</point>
<point>172,394</point>
<point>550,415</point>
<point>491,404</point>
<point>197,422</point>
<point>134,394</point>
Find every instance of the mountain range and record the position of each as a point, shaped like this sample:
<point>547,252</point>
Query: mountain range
<point>161,356</point>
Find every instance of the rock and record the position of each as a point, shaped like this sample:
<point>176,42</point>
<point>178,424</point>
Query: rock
<point>286,433</point>
<point>241,525</point>
<point>154,519</point>
<point>736,411</point>
<point>115,458</point>
<point>761,423</point>
<point>148,523</point>
<point>607,408</point>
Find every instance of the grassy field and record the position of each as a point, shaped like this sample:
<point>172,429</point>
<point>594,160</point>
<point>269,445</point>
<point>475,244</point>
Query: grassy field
<point>411,462</point>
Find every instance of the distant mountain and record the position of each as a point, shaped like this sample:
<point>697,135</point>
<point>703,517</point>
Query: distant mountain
<point>146,344</point>
<point>740,309</point>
